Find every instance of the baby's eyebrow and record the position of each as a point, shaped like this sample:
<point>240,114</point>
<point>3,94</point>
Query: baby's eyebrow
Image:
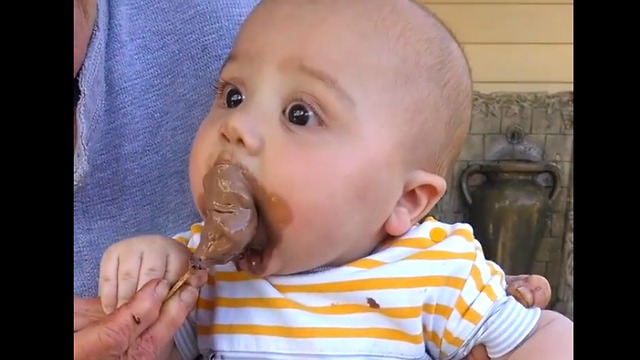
<point>232,56</point>
<point>328,80</point>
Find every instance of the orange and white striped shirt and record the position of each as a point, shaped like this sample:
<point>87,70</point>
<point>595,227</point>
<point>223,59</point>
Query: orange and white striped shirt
<point>430,295</point>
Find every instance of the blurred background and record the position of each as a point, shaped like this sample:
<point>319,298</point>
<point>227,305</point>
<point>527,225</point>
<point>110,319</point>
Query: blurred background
<point>516,167</point>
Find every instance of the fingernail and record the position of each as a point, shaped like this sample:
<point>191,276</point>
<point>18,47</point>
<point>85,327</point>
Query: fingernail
<point>188,295</point>
<point>524,291</point>
<point>162,289</point>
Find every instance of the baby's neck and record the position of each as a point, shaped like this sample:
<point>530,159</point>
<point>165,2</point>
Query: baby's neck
<point>380,246</point>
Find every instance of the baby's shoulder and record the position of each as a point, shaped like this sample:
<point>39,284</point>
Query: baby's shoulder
<point>191,237</point>
<point>431,248</point>
<point>436,235</point>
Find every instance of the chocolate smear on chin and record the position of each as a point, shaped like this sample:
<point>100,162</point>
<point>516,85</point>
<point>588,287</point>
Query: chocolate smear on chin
<point>274,215</point>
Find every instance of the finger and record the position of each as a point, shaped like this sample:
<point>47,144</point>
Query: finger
<point>128,274</point>
<point>172,315</point>
<point>177,264</point>
<point>478,352</point>
<point>514,278</point>
<point>198,278</point>
<point>86,311</point>
<point>111,337</point>
<point>521,293</point>
<point>153,266</point>
<point>108,284</point>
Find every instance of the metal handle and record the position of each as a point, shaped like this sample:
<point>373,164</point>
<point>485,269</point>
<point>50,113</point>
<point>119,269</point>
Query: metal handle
<point>464,179</point>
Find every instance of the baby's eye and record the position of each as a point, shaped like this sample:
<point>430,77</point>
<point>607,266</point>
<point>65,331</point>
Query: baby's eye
<point>299,114</point>
<point>232,97</point>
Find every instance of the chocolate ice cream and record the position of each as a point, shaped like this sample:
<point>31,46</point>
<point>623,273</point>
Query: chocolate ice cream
<point>230,216</point>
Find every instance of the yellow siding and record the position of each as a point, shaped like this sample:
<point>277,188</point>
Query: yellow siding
<point>523,45</point>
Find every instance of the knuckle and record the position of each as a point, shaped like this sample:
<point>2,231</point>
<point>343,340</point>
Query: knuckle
<point>174,320</point>
<point>122,301</point>
<point>124,295</point>
<point>128,276</point>
<point>144,349</point>
<point>153,271</point>
<point>153,239</point>
<point>115,336</point>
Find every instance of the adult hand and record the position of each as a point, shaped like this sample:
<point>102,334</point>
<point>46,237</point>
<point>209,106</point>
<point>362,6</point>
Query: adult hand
<point>529,290</point>
<point>141,329</point>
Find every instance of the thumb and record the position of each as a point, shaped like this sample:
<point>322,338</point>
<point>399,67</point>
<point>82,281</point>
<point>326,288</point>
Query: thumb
<point>111,337</point>
<point>86,311</point>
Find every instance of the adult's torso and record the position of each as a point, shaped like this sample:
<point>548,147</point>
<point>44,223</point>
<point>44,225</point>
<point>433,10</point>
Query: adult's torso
<point>147,83</point>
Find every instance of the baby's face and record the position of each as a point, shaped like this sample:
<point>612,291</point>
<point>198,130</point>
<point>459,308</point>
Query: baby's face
<point>304,104</point>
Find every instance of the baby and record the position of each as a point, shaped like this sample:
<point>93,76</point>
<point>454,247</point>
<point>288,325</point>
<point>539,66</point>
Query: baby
<point>347,116</point>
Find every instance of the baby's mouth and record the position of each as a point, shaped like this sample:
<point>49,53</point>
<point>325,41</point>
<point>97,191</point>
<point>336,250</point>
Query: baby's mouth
<point>254,255</point>
<point>232,225</point>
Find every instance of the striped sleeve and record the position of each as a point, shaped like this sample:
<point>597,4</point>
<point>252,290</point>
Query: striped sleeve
<point>472,307</point>
<point>186,339</point>
<point>190,238</point>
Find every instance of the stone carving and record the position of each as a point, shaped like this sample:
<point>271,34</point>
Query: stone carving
<point>491,105</point>
<point>523,126</point>
<point>569,253</point>
<point>565,305</point>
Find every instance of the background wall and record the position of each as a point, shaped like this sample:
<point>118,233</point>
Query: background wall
<point>546,122</point>
<point>513,45</point>
<point>521,57</point>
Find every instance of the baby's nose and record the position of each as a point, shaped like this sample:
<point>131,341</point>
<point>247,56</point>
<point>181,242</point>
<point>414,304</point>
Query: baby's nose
<point>241,133</point>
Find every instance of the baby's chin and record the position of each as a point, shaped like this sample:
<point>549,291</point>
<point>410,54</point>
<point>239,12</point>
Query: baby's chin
<point>268,263</point>
<point>259,263</point>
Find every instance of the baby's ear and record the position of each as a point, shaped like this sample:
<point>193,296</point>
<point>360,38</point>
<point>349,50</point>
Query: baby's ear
<point>422,191</point>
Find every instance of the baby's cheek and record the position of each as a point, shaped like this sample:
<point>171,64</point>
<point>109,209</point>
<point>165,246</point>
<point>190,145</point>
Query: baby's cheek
<point>374,192</point>
<point>364,193</point>
<point>311,220</point>
<point>310,244</point>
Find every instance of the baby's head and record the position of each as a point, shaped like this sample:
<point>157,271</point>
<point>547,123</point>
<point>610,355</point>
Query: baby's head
<point>349,114</point>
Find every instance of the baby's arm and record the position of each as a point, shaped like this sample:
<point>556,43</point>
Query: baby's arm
<point>129,264</point>
<point>480,312</point>
<point>551,339</point>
